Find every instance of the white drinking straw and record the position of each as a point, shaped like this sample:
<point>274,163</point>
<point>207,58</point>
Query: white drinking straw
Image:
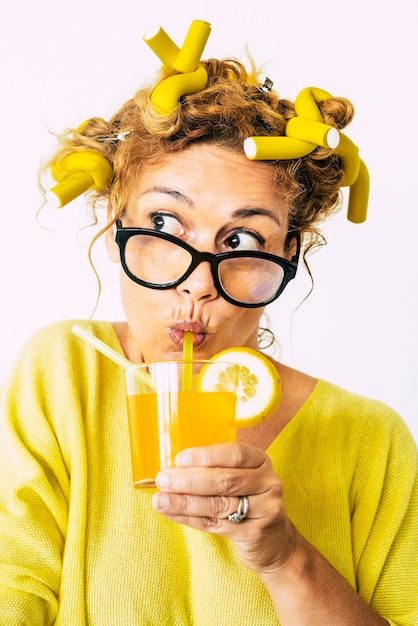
<point>110,353</point>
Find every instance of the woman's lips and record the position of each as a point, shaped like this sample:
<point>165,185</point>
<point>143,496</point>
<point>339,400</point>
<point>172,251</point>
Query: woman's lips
<point>176,333</point>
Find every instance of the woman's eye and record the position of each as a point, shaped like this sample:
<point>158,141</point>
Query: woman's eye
<point>166,223</point>
<point>244,241</point>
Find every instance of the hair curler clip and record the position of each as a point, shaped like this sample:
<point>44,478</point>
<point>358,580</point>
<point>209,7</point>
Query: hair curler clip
<point>113,137</point>
<point>267,86</point>
<point>191,76</point>
<point>110,138</point>
<point>76,173</point>
<point>305,132</point>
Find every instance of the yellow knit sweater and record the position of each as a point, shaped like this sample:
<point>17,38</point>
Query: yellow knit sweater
<point>79,546</point>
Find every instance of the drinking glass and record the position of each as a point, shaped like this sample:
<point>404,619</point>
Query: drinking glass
<point>173,405</point>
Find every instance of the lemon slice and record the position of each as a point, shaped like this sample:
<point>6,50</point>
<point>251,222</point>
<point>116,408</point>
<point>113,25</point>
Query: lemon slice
<point>259,388</point>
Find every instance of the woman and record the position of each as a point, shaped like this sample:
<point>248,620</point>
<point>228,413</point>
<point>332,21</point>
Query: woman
<point>331,478</point>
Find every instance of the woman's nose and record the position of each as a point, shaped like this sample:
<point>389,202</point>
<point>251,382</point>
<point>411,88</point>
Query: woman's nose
<point>199,285</point>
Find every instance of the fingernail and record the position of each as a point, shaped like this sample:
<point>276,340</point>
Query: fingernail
<point>162,480</point>
<point>183,459</point>
<point>160,501</point>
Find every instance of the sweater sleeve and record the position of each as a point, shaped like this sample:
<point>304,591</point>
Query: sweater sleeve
<point>385,522</point>
<point>35,485</point>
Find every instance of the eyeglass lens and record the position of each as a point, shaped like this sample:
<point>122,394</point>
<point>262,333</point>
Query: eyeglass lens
<point>245,279</point>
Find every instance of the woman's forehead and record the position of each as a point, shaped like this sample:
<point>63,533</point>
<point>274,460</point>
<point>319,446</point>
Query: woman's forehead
<point>206,170</point>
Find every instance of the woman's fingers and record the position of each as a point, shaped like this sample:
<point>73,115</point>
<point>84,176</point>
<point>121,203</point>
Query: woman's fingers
<point>223,470</point>
<point>239,454</point>
<point>208,482</point>
<point>209,513</point>
<point>211,481</point>
<point>216,508</point>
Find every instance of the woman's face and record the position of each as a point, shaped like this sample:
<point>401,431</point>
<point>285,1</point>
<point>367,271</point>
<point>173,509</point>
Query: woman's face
<point>216,200</point>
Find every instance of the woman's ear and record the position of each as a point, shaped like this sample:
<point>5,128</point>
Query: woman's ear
<point>292,246</point>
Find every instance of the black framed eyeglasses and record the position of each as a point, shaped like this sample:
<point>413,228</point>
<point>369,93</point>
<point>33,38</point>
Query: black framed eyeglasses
<point>245,278</point>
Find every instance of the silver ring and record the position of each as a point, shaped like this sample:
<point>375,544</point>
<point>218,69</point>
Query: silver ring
<point>241,512</point>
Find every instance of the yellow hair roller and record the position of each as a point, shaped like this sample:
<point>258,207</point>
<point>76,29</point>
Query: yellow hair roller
<point>192,49</point>
<point>305,132</point>
<point>191,77</point>
<point>313,132</point>
<point>348,152</point>
<point>356,176</point>
<point>166,95</point>
<point>162,45</point>
<point>273,148</point>
<point>78,172</point>
<point>306,103</point>
<point>359,195</point>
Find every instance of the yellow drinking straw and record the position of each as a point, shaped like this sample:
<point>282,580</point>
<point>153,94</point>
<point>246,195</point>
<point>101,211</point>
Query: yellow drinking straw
<point>110,353</point>
<point>187,358</point>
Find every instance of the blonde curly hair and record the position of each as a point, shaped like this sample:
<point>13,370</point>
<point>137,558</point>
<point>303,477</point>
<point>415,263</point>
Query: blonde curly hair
<point>232,107</point>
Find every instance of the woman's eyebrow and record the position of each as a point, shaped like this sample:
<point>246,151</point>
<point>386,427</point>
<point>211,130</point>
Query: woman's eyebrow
<point>245,212</point>
<point>173,193</point>
<point>251,211</point>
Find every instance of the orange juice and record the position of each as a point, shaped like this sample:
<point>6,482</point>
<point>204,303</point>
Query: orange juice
<point>184,419</point>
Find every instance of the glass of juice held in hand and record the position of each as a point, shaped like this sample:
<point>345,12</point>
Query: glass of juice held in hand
<point>173,405</point>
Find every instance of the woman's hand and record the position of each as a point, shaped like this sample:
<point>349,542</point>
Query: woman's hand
<point>203,489</point>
